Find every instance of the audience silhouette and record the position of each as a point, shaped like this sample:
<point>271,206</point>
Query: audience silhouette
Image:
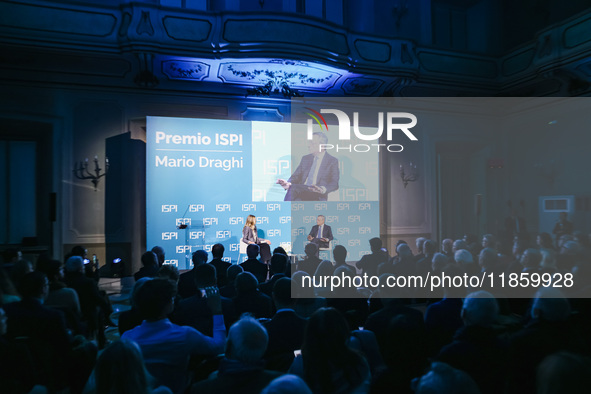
<point>286,328</point>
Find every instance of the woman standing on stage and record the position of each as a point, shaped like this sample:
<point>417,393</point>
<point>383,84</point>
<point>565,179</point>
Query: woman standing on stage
<point>250,236</point>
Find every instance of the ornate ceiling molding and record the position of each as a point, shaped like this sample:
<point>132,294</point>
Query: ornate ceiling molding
<point>185,70</point>
<point>191,46</point>
<point>279,73</point>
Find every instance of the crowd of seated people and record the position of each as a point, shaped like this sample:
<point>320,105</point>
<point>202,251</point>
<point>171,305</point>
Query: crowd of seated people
<point>251,330</point>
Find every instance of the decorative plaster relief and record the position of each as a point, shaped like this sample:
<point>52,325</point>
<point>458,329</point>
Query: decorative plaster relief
<point>296,74</point>
<point>185,70</point>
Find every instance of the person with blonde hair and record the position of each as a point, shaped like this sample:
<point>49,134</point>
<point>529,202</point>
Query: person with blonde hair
<point>250,236</point>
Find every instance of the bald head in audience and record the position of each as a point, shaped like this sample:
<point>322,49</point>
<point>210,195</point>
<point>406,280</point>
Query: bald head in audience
<point>480,309</point>
<point>75,264</point>
<point>463,257</point>
<point>444,379</point>
<point>459,244</point>
<point>550,305</point>
<point>488,259</point>
<point>247,341</point>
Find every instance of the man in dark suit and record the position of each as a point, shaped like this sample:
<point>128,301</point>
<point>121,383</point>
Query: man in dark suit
<point>476,348</point>
<point>229,290</point>
<point>253,265</point>
<point>44,328</point>
<point>149,266</point>
<point>30,318</point>
<point>250,299</point>
<point>550,330</point>
<point>242,368</point>
<point>311,262</point>
<point>159,251</point>
<point>278,266</point>
<point>321,234</point>
<point>194,312</point>
<point>285,329</point>
<point>370,262</point>
<point>316,175</point>
<point>95,308</point>
<point>221,266</point>
<point>187,286</point>
<point>392,307</point>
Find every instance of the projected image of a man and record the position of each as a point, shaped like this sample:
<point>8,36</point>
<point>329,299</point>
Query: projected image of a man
<point>316,175</point>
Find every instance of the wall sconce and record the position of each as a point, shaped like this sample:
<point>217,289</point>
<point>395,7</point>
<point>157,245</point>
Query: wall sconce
<point>408,173</point>
<point>81,171</point>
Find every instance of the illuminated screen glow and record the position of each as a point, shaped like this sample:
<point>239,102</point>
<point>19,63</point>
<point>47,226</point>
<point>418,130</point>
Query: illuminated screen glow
<point>204,177</point>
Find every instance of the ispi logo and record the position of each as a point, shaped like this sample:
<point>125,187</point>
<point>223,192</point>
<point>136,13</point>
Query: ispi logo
<point>395,121</point>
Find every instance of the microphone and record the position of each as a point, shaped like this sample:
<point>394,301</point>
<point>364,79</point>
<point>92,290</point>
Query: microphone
<point>183,225</point>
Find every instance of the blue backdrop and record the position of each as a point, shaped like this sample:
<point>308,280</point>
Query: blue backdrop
<point>210,174</point>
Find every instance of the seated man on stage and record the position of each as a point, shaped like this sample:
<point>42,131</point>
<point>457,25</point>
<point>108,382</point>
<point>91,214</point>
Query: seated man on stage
<point>316,175</point>
<point>321,234</point>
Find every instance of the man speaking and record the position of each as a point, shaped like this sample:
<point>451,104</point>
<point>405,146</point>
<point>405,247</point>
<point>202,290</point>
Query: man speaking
<point>321,234</point>
<point>316,176</point>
